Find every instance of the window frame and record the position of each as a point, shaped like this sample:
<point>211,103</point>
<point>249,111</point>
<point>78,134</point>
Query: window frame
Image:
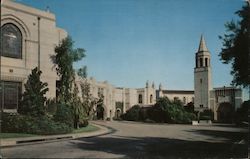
<point>4,93</point>
<point>20,40</point>
<point>140,100</point>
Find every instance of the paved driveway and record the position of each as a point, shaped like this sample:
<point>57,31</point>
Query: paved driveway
<point>137,140</point>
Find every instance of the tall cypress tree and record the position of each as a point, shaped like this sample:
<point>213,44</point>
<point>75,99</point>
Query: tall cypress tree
<point>63,61</point>
<point>33,98</point>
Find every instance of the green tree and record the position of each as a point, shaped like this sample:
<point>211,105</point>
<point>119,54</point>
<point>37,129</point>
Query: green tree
<point>33,99</point>
<point>236,48</point>
<point>65,56</point>
<point>77,105</point>
<point>87,98</point>
<point>133,114</point>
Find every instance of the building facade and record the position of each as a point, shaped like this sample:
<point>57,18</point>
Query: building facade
<point>29,37</point>
<point>117,100</point>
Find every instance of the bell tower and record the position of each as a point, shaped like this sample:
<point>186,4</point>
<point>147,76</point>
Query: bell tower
<point>202,77</point>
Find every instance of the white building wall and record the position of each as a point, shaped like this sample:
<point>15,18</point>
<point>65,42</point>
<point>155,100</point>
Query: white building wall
<point>26,19</point>
<point>202,83</point>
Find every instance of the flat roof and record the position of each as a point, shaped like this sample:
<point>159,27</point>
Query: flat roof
<point>178,91</point>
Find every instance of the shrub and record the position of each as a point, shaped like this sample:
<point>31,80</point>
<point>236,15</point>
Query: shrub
<point>33,99</point>
<point>243,112</point>
<point>32,125</point>
<point>207,115</point>
<point>189,107</point>
<point>51,106</point>
<point>157,114</point>
<point>83,123</point>
<point>171,112</point>
<point>132,114</point>
<point>64,114</point>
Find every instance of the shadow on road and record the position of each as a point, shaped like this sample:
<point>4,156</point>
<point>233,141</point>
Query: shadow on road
<point>229,135</point>
<point>156,147</point>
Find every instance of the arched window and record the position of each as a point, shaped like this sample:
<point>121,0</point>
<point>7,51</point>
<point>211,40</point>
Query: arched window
<point>140,99</point>
<point>151,98</point>
<point>12,41</point>
<point>206,62</point>
<point>201,62</point>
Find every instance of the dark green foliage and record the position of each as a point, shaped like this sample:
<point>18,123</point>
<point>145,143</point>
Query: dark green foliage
<point>83,123</point>
<point>33,125</point>
<point>207,114</point>
<point>243,112</point>
<point>68,91</point>
<point>236,48</point>
<point>143,113</point>
<point>64,114</point>
<point>82,72</point>
<point>63,60</point>
<point>78,107</point>
<point>51,106</point>
<point>34,98</point>
<point>164,111</point>
<point>170,111</point>
<point>189,107</point>
<point>132,114</point>
<point>87,99</point>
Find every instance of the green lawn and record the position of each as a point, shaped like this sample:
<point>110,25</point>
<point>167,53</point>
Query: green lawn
<point>88,128</point>
<point>15,135</point>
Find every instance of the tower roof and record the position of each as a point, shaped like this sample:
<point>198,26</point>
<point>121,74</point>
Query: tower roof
<point>202,46</point>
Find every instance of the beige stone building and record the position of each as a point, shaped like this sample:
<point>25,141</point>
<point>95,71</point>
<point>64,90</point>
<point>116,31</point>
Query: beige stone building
<point>118,100</point>
<point>29,38</point>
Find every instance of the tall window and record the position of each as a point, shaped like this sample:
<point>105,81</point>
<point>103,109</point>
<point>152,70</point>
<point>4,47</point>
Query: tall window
<point>151,98</point>
<point>206,62</point>
<point>140,99</point>
<point>12,41</point>
<point>196,63</point>
<point>10,94</point>
<point>201,62</point>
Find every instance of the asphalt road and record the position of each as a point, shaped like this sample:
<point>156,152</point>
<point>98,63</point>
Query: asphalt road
<point>136,140</point>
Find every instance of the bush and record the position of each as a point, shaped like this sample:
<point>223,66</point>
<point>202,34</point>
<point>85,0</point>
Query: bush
<point>132,114</point>
<point>171,112</point>
<point>32,125</point>
<point>64,114</point>
<point>33,98</point>
<point>207,115</point>
<point>51,106</point>
<point>243,112</point>
<point>83,123</point>
<point>157,114</point>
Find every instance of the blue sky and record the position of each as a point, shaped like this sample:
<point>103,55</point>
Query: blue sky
<point>131,41</point>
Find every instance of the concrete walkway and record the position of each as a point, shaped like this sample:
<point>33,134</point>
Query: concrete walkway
<point>53,138</point>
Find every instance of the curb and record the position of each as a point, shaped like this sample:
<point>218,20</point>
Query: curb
<point>11,142</point>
